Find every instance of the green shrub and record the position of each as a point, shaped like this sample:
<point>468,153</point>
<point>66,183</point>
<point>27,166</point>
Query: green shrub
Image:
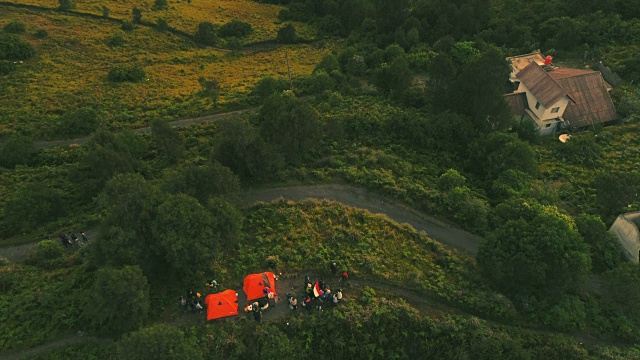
<point>567,315</point>
<point>268,86</point>
<point>14,27</point>
<point>12,47</point>
<point>30,207</point>
<point>127,74</point>
<point>287,35</point>
<point>17,150</point>
<point>235,28</point>
<point>206,34</point>
<point>48,254</point>
<point>160,5</point>
<point>136,15</point>
<point>66,5</point>
<point>40,34</point>
<point>6,67</point>
<point>82,121</point>
<point>116,40</point>
<point>127,26</point>
<point>162,25</point>
<point>105,12</point>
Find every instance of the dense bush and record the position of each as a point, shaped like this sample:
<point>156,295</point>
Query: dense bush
<point>127,74</point>
<point>66,5</point>
<point>116,40</point>
<point>12,47</point>
<point>30,207</point>
<point>235,28</point>
<point>6,67</point>
<point>127,26</point>
<point>48,253</point>
<point>162,25</point>
<point>160,342</point>
<point>268,86</point>
<point>82,121</point>
<point>206,34</point>
<point>40,34</point>
<point>14,27</point>
<point>287,35</point>
<point>17,150</point>
<point>120,300</point>
<point>160,5</point>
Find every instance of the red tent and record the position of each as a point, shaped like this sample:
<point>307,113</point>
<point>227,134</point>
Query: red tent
<point>222,304</point>
<point>255,283</point>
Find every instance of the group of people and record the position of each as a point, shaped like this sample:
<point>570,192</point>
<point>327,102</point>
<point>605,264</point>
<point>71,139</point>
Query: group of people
<point>71,240</point>
<point>261,304</point>
<point>193,302</point>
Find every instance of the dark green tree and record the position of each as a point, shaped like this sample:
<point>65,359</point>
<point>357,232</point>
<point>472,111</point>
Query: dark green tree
<point>160,5</point>
<point>105,12</point>
<point>136,15</point>
<point>14,27</point>
<point>66,5</point>
<point>616,191</point>
<point>497,152</point>
<point>167,141</point>
<point>159,342</point>
<point>13,48</point>
<point>290,124</point>
<point>17,150</point>
<point>235,28</point>
<point>109,154</point>
<point>31,207</point>
<point>622,289</point>
<point>268,86</point>
<point>240,147</point>
<point>227,222</point>
<point>287,35</point>
<point>478,91</point>
<point>161,24</point>
<point>606,253</point>
<point>120,300</point>
<point>541,256</point>
<point>394,78</point>
<point>81,121</point>
<point>206,34</point>
<point>184,236</point>
<point>202,182</point>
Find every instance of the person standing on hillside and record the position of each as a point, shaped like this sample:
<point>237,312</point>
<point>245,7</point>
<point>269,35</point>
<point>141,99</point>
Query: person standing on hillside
<point>345,277</point>
<point>333,267</point>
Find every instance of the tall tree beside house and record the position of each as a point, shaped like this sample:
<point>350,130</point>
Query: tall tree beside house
<point>478,91</point>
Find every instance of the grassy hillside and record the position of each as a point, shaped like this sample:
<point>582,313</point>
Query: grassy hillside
<point>71,65</point>
<point>185,16</point>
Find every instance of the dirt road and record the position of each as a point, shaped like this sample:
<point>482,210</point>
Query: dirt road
<point>348,195</point>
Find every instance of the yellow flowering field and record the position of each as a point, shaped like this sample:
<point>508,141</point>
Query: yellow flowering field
<point>71,65</point>
<point>186,16</point>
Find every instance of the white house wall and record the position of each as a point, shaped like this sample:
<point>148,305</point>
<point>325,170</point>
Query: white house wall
<point>562,104</point>
<point>543,113</point>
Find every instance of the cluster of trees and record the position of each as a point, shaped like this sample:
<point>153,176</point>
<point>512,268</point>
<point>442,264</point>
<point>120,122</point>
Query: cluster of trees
<point>209,34</point>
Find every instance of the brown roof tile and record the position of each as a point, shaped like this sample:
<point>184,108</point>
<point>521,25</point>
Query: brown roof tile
<point>592,104</point>
<point>542,86</point>
<point>517,102</point>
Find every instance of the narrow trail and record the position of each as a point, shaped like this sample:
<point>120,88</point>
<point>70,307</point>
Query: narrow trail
<point>348,195</point>
<point>293,283</point>
<point>146,129</point>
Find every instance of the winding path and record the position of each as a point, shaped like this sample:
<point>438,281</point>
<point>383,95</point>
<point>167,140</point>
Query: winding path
<point>348,195</point>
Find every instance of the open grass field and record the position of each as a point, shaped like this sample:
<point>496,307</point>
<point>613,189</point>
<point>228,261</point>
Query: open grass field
<point>71,64</point>
<point>186,16</point>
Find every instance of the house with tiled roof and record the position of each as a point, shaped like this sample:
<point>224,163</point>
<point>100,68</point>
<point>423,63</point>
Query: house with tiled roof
<point>558,98</point>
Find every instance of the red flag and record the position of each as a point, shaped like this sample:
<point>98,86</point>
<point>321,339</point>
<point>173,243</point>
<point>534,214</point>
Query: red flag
<point>316,290</point>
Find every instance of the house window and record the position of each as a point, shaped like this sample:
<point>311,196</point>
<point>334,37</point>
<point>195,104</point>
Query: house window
<point>537,105</point>
<point>548,125</point>
<point>555,110</point>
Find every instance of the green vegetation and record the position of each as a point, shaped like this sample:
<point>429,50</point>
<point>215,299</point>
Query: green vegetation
<point>404,98</point>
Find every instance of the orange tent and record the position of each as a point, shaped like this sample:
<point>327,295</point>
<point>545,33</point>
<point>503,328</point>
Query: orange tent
<point>255,283</point>
<point>222,304</point>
